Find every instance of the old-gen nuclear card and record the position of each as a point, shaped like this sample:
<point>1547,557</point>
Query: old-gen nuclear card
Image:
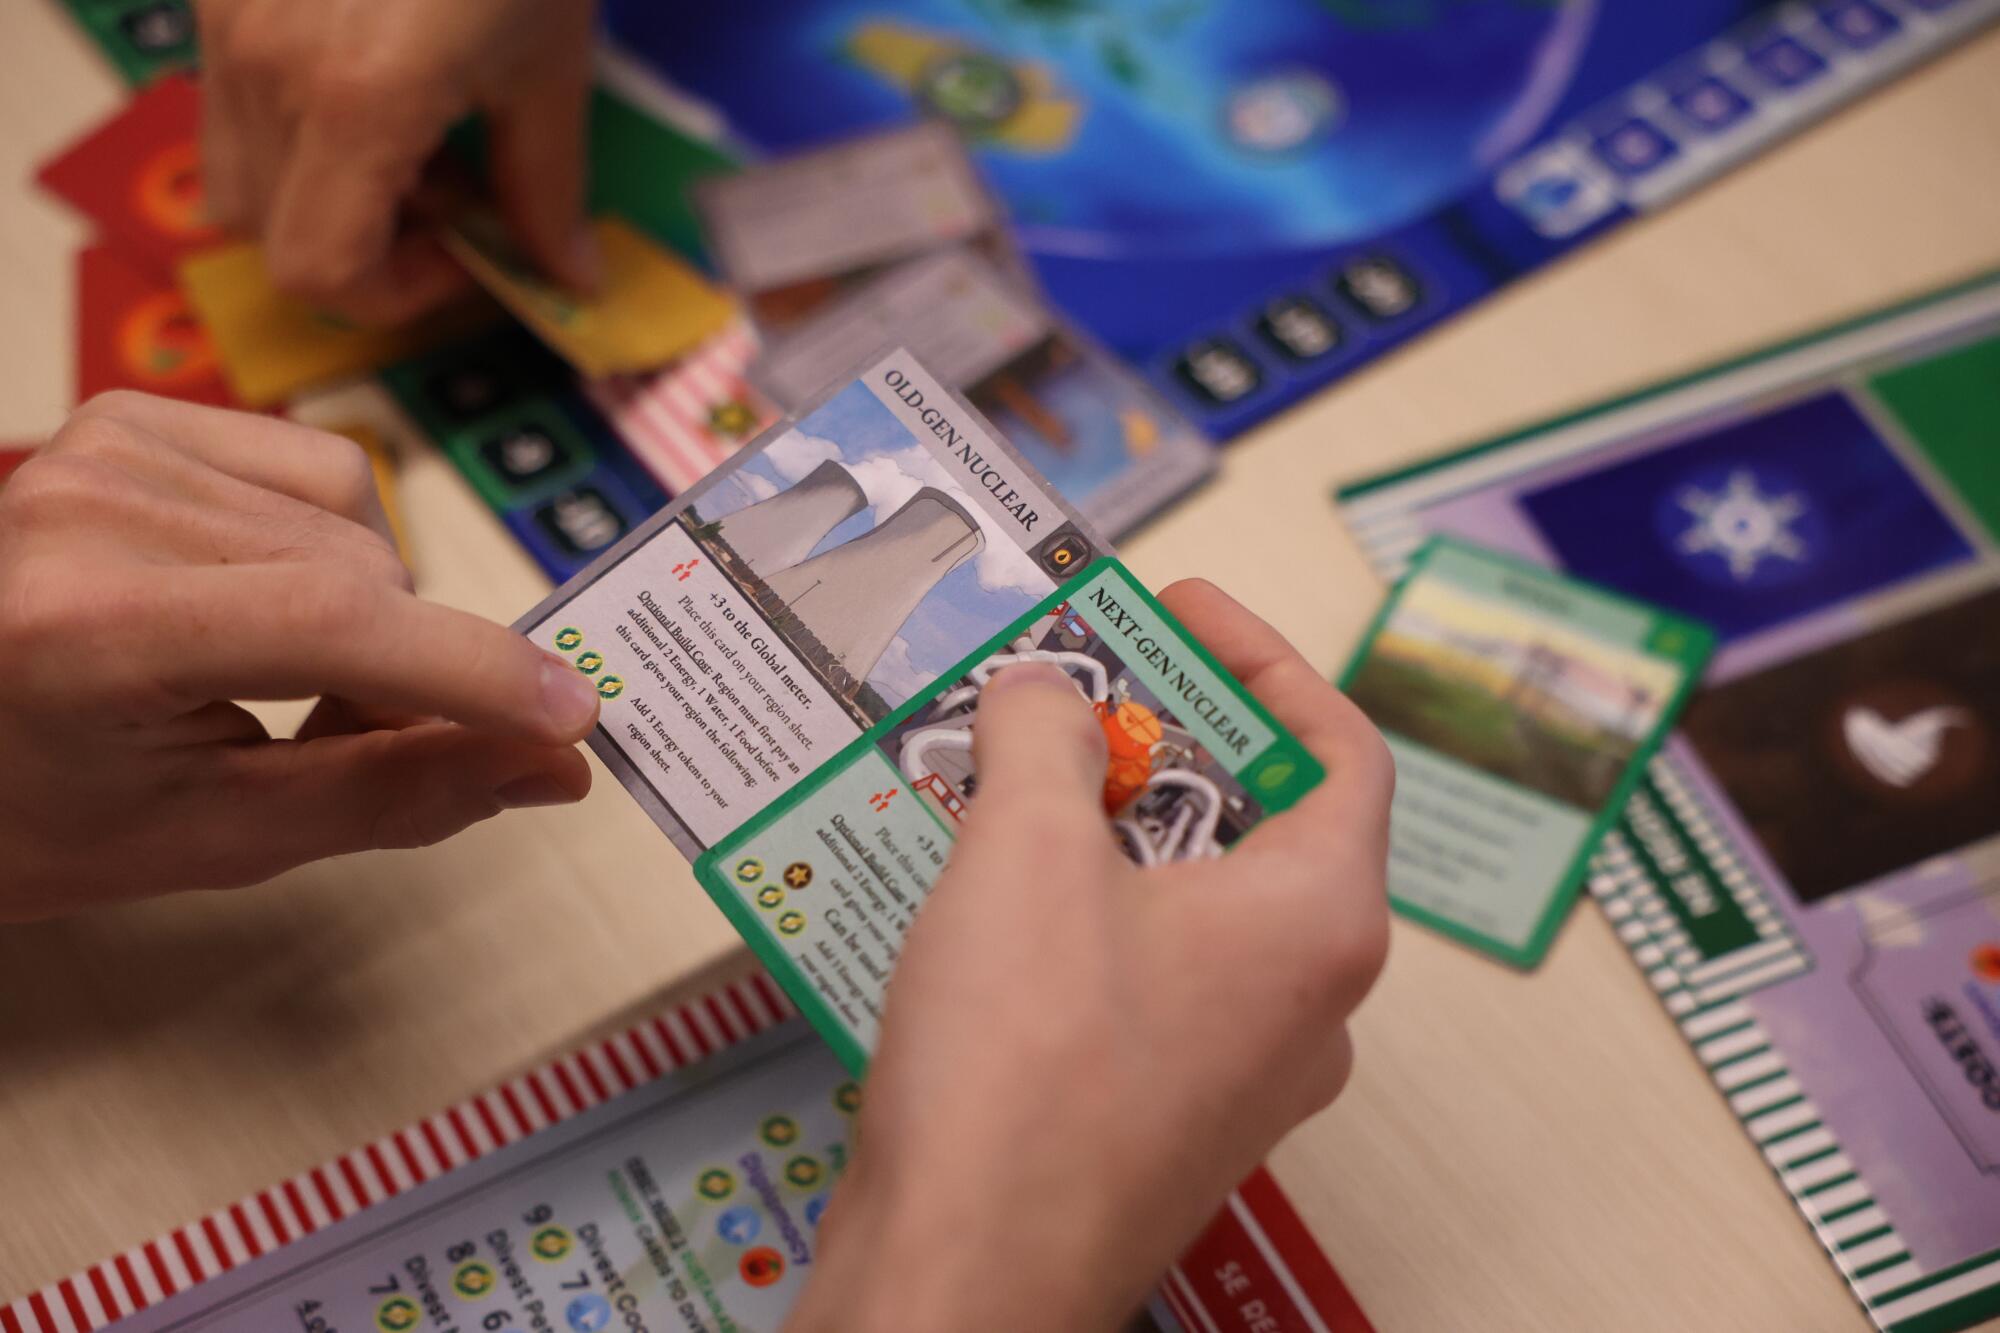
<point>818,580</point>
<point>1521,707</point>
<point>793,234</point>
<point>826,882</point>
<point>1118,450</point>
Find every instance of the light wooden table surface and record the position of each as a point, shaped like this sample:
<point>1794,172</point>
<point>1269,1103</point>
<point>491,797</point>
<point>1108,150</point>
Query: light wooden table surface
<point>1515,1152</point>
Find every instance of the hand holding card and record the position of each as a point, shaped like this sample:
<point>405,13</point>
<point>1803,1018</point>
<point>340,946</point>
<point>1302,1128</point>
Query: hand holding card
<point>1046,958</point>
<point>1185,764</point>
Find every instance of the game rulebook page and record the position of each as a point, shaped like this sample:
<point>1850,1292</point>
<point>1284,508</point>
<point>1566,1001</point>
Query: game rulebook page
<point>821,578</point>
<point>1809,873</point>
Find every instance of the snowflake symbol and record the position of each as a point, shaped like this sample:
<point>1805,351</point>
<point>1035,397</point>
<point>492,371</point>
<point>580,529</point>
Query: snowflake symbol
<point>1741,524</point>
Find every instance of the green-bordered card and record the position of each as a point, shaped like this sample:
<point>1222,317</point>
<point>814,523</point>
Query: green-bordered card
<point>1521,706</point>
<point>825,883</point>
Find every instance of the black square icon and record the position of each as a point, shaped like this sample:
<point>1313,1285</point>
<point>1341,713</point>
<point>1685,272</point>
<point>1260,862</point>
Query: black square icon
<point>468,390</point>
<point>158,28</point>
<point>1218,371</point>
<point>522,454</point>
<point>1299,328</point>
<point>1064,553</point>
<point>580,522</point>
<point>1378,287</point>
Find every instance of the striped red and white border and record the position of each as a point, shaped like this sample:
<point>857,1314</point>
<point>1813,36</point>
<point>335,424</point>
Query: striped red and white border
<point>664,418</point>
<point>149,1273</point>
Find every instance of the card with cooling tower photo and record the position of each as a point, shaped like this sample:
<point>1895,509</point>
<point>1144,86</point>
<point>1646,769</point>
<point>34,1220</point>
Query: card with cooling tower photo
<point>1116,448</point>
<point>1521,707</point>
<point>819,579</point>
<point>827,881</point>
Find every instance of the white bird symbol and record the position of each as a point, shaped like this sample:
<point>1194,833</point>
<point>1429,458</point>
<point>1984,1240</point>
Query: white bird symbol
<point>1900,753</point>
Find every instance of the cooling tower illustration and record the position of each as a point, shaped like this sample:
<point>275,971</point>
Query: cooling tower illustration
<point>779,532</point>
<point>855,597</point>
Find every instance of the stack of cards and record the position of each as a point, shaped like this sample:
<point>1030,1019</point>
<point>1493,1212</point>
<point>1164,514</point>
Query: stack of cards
<point>1521,707</point>
<point>891,240</point>
<point>791,657</point>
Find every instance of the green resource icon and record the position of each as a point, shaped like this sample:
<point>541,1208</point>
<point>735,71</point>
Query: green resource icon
<point>610,687</point>
<point>791,923</point>
<point>804,1171</point>
<point>588,661</point>
<point>472,1279</point>
<point>780,1131</point>
<point>770,896</point>
<point>398,1314</point>
<point>847,1097</point>
<point>550,1244</point>
<point>715,1183</point>
<point>749,870</point>
<point>1274,775</point>
<point>569,638</point>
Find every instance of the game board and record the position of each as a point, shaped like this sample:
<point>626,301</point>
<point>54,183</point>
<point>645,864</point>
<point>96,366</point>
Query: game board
<point>1248,201</point>
<point>1810,874</point>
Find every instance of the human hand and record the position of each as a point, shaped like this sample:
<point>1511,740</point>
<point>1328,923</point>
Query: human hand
<point>1080,1058</point>
<point>158,560</point>
<point>320,118</point>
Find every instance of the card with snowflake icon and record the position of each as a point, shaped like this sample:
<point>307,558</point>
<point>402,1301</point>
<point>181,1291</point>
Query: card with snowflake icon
<point>1754,523</point>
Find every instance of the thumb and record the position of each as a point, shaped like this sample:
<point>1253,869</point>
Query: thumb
<point>297,801</point>
<point>1036,742</point>
<point>537,155</point>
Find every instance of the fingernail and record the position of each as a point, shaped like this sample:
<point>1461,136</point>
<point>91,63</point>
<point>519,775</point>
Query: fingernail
<point>586,259</point>
<point>539,789</point>
<point>1028,673</point>
<point>569,700</point>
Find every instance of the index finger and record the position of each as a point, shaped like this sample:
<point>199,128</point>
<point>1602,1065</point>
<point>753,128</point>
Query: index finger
<point>188,636</point>
<point>1353,801</point>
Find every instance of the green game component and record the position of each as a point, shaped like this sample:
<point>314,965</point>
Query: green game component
<point>1950,406</point>
<point>142,38</point>
<point>1699,901</point>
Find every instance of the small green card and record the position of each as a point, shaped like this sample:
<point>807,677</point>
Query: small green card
<point>1521,707</point>
<point>826,882</point>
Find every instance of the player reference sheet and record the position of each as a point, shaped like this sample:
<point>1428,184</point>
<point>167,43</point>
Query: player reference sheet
<point>825,575</point>
<point>1810,872</point>
<point>671,1177</point>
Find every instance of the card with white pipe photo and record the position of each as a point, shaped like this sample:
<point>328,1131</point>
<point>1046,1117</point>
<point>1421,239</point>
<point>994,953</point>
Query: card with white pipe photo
<point>826,882</point>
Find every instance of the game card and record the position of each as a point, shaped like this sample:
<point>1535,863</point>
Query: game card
<point>272,346</point>
<point>793,234</point>
<point>136,330</point>
<point>1113,446</point>
<point>138,175</point>
<point>682,422</point>
<point>816,582</point>
<point>651,308</point>
<point>826,883</point>
<point>1521,707</point>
